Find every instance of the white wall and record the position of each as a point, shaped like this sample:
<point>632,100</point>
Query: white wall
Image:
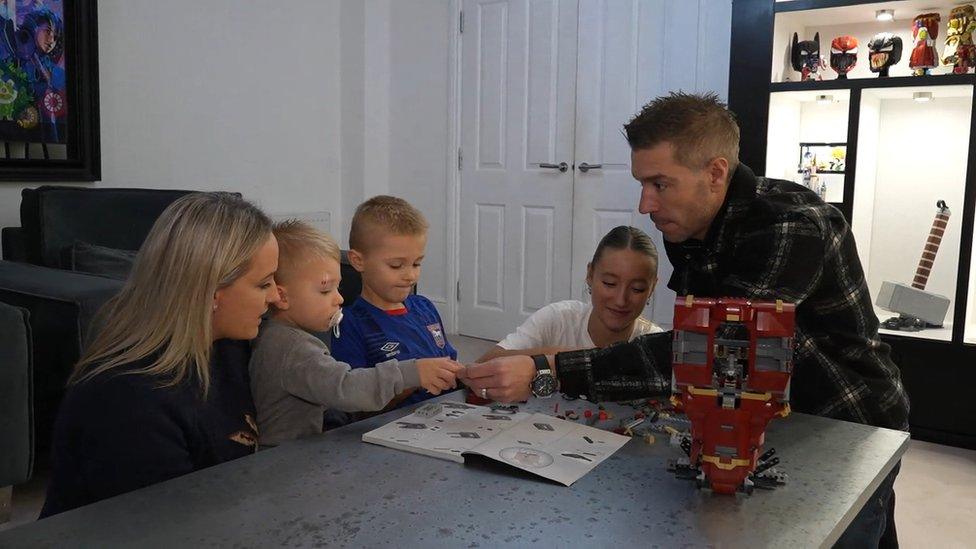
<point>219,95</point>
<point>420,164</point>
<point>866,176</point>
<point>395,88</point>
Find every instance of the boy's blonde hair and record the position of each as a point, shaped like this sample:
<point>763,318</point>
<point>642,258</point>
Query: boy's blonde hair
<point>299,243</point>
<point>387,213</point>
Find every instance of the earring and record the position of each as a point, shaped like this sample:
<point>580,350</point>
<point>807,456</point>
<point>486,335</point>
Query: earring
<point>215,307</point>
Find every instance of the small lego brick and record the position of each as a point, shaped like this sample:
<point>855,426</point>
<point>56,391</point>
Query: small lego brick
<point>649,438</point>
<point>572,415</point>
<point>428,410</point>
<point>587,413</point>
<point>603,415</point>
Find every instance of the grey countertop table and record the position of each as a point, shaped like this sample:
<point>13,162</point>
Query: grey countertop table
<point>337,491</point>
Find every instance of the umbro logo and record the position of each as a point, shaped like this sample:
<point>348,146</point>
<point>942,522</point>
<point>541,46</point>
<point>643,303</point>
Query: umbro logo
<point>390,346</point>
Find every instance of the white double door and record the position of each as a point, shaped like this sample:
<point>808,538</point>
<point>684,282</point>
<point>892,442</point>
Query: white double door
<point>546,86</point>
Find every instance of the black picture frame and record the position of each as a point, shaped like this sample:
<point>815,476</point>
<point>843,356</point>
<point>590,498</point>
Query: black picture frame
<point>83,158</point>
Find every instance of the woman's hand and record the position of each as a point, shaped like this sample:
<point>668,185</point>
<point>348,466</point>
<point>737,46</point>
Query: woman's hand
<point>503,379</point>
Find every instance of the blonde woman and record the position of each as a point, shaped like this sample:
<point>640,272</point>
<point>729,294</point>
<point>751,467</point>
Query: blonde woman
<point>162,390</point>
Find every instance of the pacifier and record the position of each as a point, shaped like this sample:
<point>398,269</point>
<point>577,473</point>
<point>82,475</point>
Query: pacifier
<point>334,322</point>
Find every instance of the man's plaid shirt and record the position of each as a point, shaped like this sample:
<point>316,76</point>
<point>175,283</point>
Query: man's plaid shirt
<point>771,240</point>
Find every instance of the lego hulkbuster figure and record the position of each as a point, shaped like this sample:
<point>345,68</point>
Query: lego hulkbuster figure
<point>731,375</point>
<point>959,49</point>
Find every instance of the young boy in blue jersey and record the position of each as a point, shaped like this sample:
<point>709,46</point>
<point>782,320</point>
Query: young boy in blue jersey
<point>387,241</point>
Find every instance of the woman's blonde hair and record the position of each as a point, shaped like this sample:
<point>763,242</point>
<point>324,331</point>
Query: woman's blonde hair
<point>202,242</point>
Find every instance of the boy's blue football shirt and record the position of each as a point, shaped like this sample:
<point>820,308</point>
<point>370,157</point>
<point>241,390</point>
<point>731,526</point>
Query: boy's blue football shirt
<point>369,335</point>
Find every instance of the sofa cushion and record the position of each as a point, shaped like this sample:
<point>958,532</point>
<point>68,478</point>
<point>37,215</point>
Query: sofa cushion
<point>16,427</point>
<point>54,217</point>
<point>63,306</point>
<point>101,260</point>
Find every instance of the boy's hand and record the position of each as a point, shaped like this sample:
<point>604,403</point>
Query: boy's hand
<point>438,374</point>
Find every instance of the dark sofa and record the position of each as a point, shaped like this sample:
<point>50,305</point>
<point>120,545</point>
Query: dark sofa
<point>16,413</point>
<point>36,274</point>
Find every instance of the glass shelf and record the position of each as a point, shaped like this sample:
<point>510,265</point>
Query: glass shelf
<point>800,122</point>
<point>910,155</point>
<point>858,21</point>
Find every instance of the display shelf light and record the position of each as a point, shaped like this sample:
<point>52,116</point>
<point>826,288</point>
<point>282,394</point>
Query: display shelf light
<point>885,15</point>
<point>922,97</point>
<point>826,99</point>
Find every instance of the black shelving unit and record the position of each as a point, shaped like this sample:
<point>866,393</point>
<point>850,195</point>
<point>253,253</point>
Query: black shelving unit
<point>939,375</point>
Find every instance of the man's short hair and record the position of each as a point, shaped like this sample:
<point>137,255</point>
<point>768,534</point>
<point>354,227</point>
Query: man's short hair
<point>387,213</point>
<point>699,126</point>
<point>300,243</point>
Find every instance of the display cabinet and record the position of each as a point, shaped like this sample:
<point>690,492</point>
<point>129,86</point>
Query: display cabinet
<point>894,153</point>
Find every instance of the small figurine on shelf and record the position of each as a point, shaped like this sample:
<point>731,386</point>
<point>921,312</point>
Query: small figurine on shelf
<point>838,159</point>
<point>805,57</point>
<point>959,49</point>
<point>843,55</point>
<point>925,29</point>
<point>884,51</point>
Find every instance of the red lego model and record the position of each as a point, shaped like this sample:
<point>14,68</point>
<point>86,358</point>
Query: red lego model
<point>731,375</point>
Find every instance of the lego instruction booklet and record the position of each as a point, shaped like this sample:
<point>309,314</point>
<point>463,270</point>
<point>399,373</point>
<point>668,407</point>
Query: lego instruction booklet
<point>553,448</point>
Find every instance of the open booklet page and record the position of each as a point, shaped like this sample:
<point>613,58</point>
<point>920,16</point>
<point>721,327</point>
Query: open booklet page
<point>559,450</point>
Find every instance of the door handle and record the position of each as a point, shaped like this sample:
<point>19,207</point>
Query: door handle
<point>584,167</point>
<point>562,166</point>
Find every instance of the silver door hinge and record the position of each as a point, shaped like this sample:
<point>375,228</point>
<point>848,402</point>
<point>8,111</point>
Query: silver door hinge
<point>460,159</point>
<point>461,22</point>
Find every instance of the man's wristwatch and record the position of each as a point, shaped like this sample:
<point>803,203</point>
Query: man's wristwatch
<point>544,383</point>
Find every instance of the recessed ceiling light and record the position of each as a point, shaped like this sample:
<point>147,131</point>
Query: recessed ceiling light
<point>884,15</point>
<point>922,97</point>
<point>826,99</point>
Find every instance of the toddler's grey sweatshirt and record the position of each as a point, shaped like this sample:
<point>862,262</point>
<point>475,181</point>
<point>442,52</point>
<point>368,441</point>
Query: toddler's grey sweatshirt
<point>294,379</point>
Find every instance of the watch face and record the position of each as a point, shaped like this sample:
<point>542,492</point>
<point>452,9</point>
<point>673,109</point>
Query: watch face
<point>543,385</point>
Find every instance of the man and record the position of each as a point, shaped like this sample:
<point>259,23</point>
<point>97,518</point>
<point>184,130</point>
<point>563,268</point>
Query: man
<point>729,233</point>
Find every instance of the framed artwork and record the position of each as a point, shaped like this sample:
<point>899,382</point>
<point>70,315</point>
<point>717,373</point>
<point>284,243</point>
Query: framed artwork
<point>49,91</point>
<point>827,157</point>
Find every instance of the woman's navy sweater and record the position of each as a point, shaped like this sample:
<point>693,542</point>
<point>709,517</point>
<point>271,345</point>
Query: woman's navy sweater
<point>118,432</point>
